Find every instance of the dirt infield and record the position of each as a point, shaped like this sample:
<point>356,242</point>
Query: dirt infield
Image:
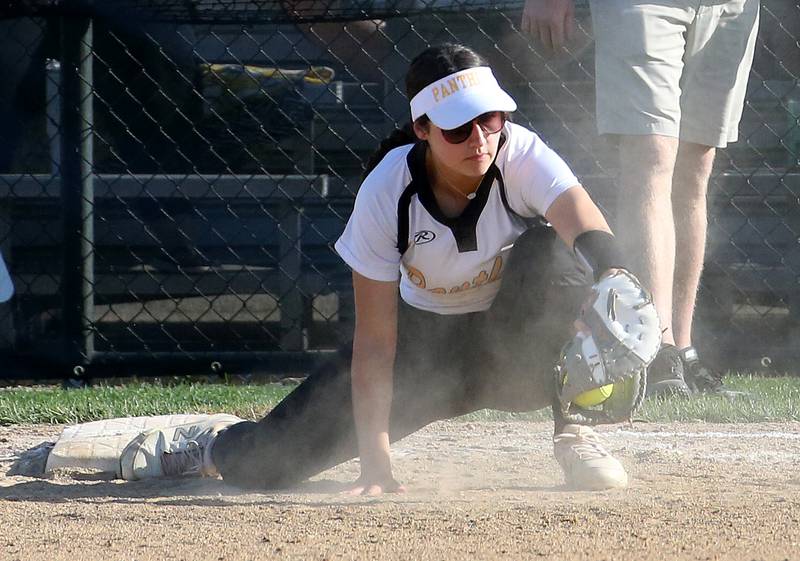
<point>487,490</point>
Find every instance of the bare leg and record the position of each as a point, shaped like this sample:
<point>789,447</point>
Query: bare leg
<point>689,189</point>
<point>645,222</point>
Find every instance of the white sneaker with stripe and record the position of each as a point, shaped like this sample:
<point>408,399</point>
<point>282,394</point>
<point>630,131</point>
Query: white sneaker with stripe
<point>587,465</point>
<point>183,450</point>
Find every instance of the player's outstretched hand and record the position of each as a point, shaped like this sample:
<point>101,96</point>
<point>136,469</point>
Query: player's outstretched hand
<point>374,486</point>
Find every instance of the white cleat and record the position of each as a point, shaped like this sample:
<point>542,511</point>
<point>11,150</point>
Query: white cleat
<point>587,465</point>
<point>183,450</point>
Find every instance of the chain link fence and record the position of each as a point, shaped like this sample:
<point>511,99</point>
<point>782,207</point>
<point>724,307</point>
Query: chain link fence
<point>173,175</point>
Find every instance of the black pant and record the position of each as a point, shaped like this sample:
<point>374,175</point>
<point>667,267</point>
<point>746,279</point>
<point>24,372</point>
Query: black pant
<point>446,366</point>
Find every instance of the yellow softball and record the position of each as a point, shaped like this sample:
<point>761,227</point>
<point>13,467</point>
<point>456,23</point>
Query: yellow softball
<point>594,397</point>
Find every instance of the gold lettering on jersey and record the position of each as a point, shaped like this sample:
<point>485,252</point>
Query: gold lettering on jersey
<point>452,85</point>
<point>496,267</point>
<point>417,278</point>
<point>482,278</point>
<point>462,288</point>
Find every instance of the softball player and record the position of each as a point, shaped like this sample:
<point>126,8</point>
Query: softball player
<point>454,218</point>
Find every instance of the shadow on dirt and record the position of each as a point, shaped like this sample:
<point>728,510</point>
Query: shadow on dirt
<point>200,492</point>
<point>88,488</point>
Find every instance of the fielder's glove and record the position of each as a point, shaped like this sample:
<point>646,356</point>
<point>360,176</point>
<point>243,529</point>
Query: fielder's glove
<point>620,338</point>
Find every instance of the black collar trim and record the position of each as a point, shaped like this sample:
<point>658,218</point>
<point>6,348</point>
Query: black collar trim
<point>463,226</point>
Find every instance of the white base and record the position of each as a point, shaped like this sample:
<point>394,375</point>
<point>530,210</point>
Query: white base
<point>98,445</point>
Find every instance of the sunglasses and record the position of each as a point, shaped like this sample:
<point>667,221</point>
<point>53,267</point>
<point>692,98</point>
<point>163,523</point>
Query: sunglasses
<point>490,123</point>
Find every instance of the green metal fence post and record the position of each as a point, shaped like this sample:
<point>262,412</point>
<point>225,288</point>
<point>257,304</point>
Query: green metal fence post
<point>77,189</point>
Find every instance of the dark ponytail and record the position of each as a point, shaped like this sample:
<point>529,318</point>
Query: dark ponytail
<point>398,137</point>
<point>430,65</point>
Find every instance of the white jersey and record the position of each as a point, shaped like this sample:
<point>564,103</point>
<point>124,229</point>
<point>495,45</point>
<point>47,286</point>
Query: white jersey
<point>450,265</point>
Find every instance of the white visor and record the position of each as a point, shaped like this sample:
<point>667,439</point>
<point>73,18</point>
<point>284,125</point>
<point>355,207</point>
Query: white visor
<point>458,98</point>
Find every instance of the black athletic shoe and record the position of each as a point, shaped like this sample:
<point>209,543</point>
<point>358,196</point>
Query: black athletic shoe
<point>665,376</point>
<point>702,379</point>
<point>698,377</point>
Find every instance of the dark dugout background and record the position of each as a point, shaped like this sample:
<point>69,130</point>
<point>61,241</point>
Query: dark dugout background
<point>173,175</point>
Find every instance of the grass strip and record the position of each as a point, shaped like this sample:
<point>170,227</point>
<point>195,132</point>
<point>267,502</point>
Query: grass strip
<point>56,406</point>
<point>763,399</point>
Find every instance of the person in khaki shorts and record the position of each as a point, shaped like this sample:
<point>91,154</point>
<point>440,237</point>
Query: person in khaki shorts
<point>671,80</point>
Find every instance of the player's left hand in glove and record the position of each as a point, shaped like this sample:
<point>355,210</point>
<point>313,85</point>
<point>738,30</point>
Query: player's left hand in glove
<point>601,374</point>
